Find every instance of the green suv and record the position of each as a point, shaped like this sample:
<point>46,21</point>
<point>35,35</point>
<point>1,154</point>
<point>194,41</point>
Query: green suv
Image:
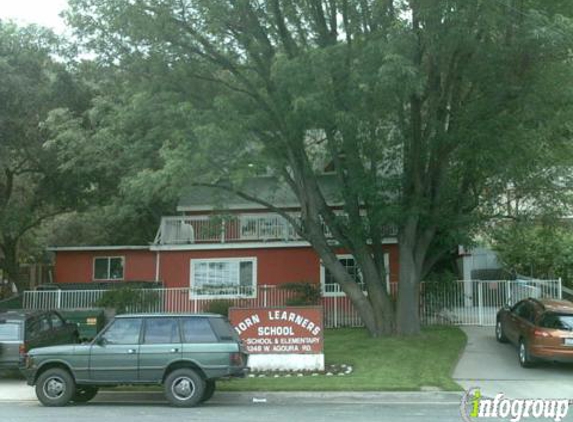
<point>185,353</point>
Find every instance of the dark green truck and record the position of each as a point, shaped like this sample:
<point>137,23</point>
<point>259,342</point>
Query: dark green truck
<point>185,353</point>
<point>24,330</point>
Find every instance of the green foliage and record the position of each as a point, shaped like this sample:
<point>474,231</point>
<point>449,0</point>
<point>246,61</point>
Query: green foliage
<point>126,300</point>
<point>306,293</point>
<point>441,277</point>
<point>425,111</point>
<point>220,306</point>
<point>536,250</point>
<point>33,186</point>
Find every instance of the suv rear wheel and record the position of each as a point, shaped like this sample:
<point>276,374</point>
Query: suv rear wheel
<point>525,359</point>
<point>209,390</point>
<point>55,387</point>
<point>84,394</point>
<point>184,388</point>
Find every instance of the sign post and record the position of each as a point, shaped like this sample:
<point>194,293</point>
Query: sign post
<point>281,338</point>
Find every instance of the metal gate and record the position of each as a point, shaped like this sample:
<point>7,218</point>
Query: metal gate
<point>476,302</point>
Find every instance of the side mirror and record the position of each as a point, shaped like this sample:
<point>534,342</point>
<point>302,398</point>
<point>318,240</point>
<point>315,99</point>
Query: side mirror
<point>100,341</point>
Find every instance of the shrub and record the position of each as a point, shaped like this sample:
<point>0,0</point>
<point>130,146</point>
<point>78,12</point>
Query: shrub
<point>306,293</point>
<point>220,306</point>
<point>127,299</point>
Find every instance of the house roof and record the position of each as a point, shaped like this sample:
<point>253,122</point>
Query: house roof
<point>267,188</point>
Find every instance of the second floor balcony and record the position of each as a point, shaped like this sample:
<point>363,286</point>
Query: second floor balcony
<point>261,227</point>
<point>224,229</point>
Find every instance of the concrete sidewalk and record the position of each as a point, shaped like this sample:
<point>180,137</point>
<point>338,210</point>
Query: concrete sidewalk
<point>494,368</point>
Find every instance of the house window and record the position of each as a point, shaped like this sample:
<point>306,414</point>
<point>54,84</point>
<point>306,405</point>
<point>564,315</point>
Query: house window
<point>229,277</point>
<point>109,268</point>
<point>332,288</point>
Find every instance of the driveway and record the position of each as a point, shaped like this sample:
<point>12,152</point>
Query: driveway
<point>493,367</point>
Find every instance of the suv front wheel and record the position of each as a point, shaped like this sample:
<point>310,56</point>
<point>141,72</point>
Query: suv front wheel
<point>184,388</point>
<point>55,387</point>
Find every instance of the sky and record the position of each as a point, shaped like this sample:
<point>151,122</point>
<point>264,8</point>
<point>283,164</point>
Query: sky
<point>42,12</point>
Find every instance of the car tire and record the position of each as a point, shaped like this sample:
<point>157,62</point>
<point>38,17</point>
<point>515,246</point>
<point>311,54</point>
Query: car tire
<point>184,388</point>
<point>209,390</point>
<point>499,334</point>
<point>84,394</point>
<point>525,359</point>
<point>55,387</point>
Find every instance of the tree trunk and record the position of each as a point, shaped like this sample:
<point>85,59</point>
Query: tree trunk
<point>408,306</point>
<point>9,263</point>
<point>379,298</point>
<point>351,289</point>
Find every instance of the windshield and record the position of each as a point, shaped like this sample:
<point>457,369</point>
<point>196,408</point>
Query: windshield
<point>9,331</point>
<point>557,321</point>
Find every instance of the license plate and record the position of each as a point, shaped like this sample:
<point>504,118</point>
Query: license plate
<point>568,341</point>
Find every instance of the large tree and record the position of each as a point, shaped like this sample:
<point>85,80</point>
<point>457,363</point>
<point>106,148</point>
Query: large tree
<point>32,188</point>
<point>425,110</point>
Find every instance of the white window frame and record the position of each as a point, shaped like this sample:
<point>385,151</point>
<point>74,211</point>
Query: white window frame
<point>109,258</point>
<point>346,256</point>
<point>193,292</point>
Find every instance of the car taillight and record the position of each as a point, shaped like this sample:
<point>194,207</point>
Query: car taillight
<point>236,359</point>
<point>22,349</point>
<point>541,333</point>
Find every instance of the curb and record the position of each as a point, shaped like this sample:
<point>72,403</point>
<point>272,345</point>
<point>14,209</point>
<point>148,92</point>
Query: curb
<point>262,397</point>
<point>389,397</point>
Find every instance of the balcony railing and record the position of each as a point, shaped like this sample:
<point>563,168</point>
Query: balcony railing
<point>241,228</point>
<point>265,227</point>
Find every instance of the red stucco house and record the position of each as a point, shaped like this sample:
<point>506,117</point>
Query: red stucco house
<point>220,245</point>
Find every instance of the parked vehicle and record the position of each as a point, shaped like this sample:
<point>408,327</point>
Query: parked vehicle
<point>21,331</point>
<point>542,329</point>
<point>185,353</point>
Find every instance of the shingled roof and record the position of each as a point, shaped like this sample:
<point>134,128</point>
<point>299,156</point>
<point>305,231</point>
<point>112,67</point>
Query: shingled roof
<point>267,188</point>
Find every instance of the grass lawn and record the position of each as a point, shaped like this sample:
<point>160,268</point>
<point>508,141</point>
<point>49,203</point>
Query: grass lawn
<point>387,364</point>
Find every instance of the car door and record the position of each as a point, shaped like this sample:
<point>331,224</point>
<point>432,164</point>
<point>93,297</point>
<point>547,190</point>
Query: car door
<point>200,342</point>
<point>524,319</point>
<point>114,353</point>
<point>160,345</point>
<point>511,327</point>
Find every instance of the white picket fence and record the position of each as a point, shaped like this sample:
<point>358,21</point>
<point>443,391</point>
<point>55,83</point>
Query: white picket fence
<point>469,302</point>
